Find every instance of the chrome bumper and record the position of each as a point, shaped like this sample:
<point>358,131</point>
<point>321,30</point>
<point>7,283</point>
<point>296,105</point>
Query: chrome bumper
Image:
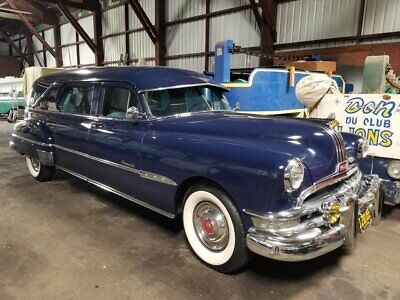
<point>303,233</point>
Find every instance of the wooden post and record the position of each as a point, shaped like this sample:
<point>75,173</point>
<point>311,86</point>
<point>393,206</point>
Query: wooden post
<point>268,31</point>
<point>160,42</point>
<point>57,43</point>
<point>98,32</point>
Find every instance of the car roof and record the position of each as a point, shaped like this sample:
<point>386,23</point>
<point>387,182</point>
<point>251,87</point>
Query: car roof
<point>144,78</point>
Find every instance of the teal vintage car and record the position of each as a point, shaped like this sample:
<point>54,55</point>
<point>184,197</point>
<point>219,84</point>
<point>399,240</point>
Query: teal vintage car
<point>11,97</point>
<point>7,102</point>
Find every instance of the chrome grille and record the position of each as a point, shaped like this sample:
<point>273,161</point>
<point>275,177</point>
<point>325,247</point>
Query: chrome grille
<point>339,142</point>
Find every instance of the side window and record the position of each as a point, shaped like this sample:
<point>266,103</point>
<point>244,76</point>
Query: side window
<point>48,101</point>
<point>36,91</point>
<point>117,101</point>
<point>76,99</point>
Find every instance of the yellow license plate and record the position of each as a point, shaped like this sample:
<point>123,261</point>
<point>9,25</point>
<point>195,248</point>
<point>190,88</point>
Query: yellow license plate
<point>364,219</point>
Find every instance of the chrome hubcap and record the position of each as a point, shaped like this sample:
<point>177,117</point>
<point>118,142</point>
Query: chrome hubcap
<point>35,164</point>
<point>211,226</point>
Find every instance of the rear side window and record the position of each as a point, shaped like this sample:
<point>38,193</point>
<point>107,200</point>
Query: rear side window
<point>76,99</point>
<point>115,102</point>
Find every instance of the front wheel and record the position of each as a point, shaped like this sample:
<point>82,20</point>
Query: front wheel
<point>39,171</point>
<point>214,229</point>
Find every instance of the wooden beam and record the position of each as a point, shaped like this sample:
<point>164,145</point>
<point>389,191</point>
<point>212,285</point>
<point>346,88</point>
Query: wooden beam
<point>12,44</point>
<point>29,47</point>
<point>32,29</point>
<point>207,36</point>
<point>160,28</point>
<point>98,32</point>
<point>268,31</point>
<point>144,19</point>
<point>126,22</point>
<point>57,44</point>
<point>361,18</point>
<point>91,5</point>
<point>67,14</point>
<point>14,16</point>
<point>39,12</point>
<point>256,13</point>
<point>44,52</point>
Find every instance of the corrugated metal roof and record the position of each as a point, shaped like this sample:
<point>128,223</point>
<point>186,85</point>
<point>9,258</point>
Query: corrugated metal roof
<point>179,9</point>
<point>216,5</point>
<point>241,27</point>
<point>140,45</point>
<point>114,47</point>
<point>304,20</point>
<point>381,16</point>
<point>189,63</point>
<point>186,38</point>
<point>3,48</point>
<point>67,33</point>
<point>113,20</point>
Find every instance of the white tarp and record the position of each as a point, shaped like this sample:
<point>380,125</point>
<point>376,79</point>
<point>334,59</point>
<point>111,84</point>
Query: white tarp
<point>376,117</point>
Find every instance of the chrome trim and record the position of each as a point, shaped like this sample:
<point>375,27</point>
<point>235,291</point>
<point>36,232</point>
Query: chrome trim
<point>114,191</point>
<point>143,174</point>
<point>326,181</point>
<point>89,117</point>
<point>31,141</point>
<point>184,86</point>
<point>301,233</point>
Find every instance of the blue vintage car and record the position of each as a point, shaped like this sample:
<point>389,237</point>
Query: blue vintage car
<point>286,189</point>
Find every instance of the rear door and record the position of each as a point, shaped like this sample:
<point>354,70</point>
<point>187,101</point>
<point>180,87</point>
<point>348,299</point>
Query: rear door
<point>69,123</point>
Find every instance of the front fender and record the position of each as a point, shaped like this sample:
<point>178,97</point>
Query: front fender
<point>251,172</point>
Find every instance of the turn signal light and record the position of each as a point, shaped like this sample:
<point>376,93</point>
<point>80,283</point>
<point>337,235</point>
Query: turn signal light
<point>331,212</point>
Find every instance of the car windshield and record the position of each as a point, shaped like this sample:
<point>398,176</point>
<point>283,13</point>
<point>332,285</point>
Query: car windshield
<point>169,102</point>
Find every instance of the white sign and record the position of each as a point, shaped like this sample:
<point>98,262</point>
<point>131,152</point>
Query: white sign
<point>376,117</point>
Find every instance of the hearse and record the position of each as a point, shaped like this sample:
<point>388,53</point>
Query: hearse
<point>164,138</point>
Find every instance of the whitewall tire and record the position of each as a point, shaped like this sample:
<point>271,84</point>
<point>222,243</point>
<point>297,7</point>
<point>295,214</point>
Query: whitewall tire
<point>214,229</point>
<point>37,170</point>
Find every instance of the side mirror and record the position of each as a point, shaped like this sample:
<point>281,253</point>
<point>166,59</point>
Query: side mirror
<point>133,113</point>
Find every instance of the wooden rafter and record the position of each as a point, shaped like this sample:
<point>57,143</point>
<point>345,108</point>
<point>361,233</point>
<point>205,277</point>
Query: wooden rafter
<point>67,14</point>
<point>12,44</point>
<point>92,5</point>
<point>144,19</point>
<point>41,13</point>
<point>32,29</point>
<point>256,13</point>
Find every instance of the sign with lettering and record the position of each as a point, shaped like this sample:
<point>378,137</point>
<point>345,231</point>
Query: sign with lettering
<point>376,117</point>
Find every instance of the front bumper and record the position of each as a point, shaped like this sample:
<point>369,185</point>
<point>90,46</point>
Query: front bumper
<point>303,233</point>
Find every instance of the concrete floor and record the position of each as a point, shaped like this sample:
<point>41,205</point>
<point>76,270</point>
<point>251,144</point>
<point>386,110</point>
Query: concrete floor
<point>68,239</point>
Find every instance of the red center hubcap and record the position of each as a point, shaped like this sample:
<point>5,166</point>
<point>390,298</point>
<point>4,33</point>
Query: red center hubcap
<point>208,226</point>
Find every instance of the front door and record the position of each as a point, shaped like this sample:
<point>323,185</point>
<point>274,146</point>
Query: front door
<point>115,140</point>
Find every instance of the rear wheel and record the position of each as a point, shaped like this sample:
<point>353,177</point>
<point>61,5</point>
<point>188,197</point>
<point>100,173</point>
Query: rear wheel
<point>214,229</point>
<point>39,171</point>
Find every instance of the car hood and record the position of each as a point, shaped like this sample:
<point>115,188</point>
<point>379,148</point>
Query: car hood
<point>309,141</point>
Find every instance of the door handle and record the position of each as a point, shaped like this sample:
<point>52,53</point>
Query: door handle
<point>96,125</point>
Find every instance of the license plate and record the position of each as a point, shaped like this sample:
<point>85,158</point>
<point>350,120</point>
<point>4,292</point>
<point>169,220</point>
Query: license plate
<point>364,219</point>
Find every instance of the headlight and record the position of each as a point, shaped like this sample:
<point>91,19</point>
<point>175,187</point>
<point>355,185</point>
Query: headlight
<point>294,175</point>
<point>393,169</point>
<point>362,149</point>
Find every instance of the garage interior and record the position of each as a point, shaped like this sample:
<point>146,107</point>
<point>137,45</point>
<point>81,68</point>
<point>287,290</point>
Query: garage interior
<point>69,239</point>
